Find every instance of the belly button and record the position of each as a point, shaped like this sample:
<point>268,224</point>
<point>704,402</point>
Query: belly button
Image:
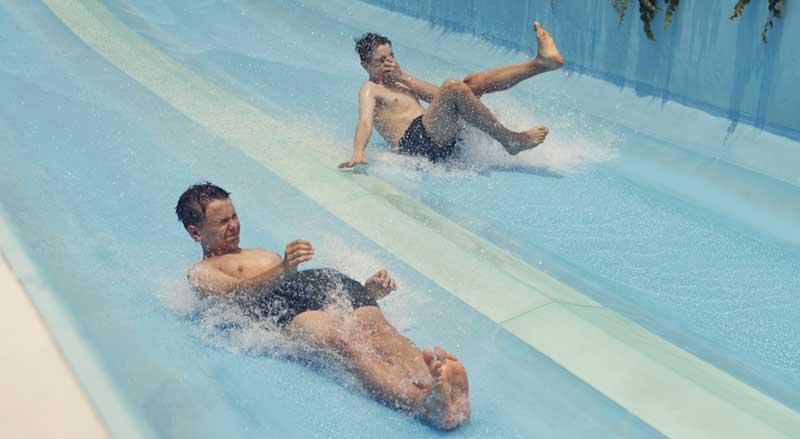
<point>241,269</point>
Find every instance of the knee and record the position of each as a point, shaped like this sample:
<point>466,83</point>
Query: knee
<point>454,85</point>
<point>470,80</point>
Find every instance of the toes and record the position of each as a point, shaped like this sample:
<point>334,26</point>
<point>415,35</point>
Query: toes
<point>540,32</point>
<point>444,355</point>
<point>436,370</point>
<point>427,356</point>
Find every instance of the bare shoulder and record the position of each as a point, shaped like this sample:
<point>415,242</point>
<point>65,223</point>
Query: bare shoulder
<point>203,265</point>
<point>367,86</point>
<point>199,271</point>
<point>368,90</point>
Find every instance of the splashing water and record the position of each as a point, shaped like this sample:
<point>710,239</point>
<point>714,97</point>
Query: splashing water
<point>228,326</point>
<point>565,151</point>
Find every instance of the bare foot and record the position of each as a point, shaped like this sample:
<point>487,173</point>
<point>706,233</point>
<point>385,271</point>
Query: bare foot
<point>456,374</point>
<point>526,140</point>
<point>427,355</point>
<point>447,403</point>
<point>547,56</point>
<point>435,407</point>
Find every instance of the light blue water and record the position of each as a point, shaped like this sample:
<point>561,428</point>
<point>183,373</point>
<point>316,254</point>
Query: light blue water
<point>96,163</point>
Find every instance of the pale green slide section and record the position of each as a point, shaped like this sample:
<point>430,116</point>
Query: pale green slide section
<point>673,391</point>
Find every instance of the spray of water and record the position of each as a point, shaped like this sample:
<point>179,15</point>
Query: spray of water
<point>571,147</point>
<point>228,326</point>
<point>567,149</point>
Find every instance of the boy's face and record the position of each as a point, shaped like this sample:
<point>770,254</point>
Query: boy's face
<point>219,232</point>
<point>382,58</point>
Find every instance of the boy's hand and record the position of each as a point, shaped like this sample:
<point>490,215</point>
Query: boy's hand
<point>361,160</point>
<point>380,284</point>
<point>296,253</point>
<point>391,70</point>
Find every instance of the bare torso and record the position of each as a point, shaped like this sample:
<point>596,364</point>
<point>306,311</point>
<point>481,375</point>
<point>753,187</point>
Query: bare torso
<point>395,108</point>
<point>243,264</point>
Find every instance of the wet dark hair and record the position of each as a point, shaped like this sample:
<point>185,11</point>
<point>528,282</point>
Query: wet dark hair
<point>191,208</point>
<point>367,44</point>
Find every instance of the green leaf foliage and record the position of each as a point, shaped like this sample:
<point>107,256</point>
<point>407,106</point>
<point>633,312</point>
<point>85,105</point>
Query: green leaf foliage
<point>671,5</point>
<point>775,8</point>
<point>620,6</point>
<point>647,11</point>
<point>738,8</point>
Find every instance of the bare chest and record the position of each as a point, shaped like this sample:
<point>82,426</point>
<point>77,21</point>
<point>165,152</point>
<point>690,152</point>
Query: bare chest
<point>394,111</point>
<point>396,101</point>
<point>247,264</point>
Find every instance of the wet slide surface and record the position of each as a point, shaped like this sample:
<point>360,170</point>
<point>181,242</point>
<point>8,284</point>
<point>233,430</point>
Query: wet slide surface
<point>599,206</point>
<point>97,162</point>
<point>104,159</point>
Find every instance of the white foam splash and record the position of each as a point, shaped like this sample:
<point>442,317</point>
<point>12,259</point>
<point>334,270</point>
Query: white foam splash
<point>228,326</point>
<point>398,307</point>
<point>567,150</point>
<point>178,296</point>
<point>334,252</point>
<point>220,323</point>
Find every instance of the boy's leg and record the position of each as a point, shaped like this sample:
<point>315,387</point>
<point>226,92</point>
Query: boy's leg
<point>505,77</point>
<point>353,348</point>
<point>367,346</point>
<point>394,346</point>
<point>455,99</point>
<point>444,399</point>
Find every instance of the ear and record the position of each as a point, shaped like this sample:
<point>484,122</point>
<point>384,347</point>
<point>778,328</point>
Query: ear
<point>194,232</point>
<point>364,64</point>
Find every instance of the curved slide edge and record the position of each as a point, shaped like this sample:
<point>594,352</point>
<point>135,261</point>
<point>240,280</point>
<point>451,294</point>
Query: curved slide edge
<point>675,392</point>
<point>46,369</point>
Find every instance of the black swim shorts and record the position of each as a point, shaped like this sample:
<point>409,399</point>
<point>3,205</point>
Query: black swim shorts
<point>416,141</point>
<point>312,290</point>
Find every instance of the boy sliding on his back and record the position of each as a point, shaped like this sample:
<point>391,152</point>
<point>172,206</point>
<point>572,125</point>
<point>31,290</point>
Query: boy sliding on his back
<point>430,384</point>
<point>389,99</point>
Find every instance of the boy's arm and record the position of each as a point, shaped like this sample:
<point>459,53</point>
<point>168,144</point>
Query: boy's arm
<point>213,281</point>
<point>423,89</point>
<point>366,112</point>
